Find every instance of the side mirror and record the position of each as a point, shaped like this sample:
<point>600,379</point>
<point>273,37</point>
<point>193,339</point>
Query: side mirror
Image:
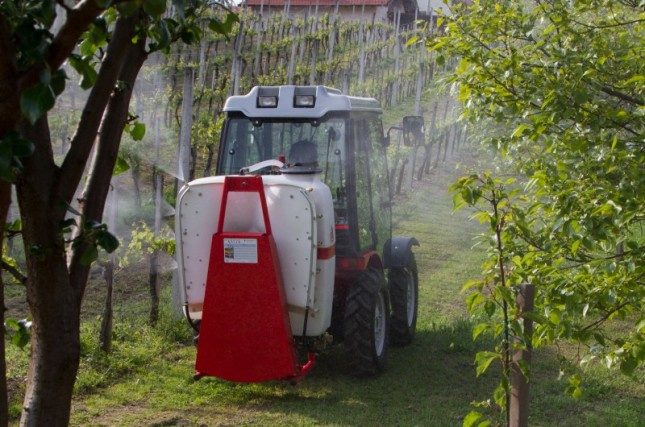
<point>386,138</point>
<point>413,130</point>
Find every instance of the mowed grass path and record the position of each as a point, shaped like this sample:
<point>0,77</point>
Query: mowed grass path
<point>429,383</point>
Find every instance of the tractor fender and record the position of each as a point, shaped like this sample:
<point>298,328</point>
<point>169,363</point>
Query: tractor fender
<point>397,250</point>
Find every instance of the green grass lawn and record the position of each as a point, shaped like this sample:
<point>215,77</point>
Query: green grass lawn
<point>148,379</point>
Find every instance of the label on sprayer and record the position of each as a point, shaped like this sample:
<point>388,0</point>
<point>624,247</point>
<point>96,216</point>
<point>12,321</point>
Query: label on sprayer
<point>241,251</point>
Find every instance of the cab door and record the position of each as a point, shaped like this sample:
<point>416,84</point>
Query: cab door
<point>372,197</point>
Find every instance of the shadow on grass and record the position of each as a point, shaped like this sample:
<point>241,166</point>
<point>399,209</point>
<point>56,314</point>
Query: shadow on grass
<point>430,382</point>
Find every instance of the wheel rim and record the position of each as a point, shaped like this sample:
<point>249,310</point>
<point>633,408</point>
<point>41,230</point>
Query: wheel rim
<point>411,299</point>
<point>379,324</point>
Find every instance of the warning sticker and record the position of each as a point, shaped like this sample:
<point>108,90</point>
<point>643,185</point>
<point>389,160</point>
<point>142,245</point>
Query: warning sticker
<point>242,251</point>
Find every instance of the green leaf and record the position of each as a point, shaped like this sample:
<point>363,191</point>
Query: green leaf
<point>412,40</point>
<point>471,418</point>
<point>107,241</point>
<point>90,255</point>
<point>11,323</point>
<point>12,147</point>
<point>19,331</point>
<point>506,294</point>
<point>519,131</point>
<point>628,365</point>
<point>162,35</point>
<point>83,67</point>
<point>574,389</point>
<point>640,326</point>
<point>137,131</point>
<point>36,101</point>
<point>154,8</point>
<point>15,226</point>
<point>490,307</point>
<point>20,338</point>
<point>499,395</point>
<point>128,8</point>
<point>555,317</point>
<point>479,329</point>
<point>483,359</point>
<point>473,300</point>
<point>121,165</point>
<point>58,82</point>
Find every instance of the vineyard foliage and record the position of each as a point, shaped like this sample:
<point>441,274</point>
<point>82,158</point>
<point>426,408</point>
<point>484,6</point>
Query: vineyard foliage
<point>260,50</point>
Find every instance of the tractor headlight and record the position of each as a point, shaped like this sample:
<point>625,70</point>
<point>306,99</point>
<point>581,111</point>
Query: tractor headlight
<point>267,101</point>
<point>305,101</point>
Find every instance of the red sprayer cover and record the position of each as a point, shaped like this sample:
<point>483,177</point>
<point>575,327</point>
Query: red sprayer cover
<point>245,333</point>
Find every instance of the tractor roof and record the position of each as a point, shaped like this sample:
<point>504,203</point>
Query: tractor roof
<point>296,102</point>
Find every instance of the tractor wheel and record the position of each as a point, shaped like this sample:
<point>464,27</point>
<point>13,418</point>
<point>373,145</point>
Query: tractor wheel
<point>366,324</point>
<point>404,293</point>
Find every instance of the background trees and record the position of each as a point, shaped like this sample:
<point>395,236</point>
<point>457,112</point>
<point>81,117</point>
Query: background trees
<point>563,80</point>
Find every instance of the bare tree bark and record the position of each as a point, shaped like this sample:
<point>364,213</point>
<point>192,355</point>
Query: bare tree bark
<point>55,341</point>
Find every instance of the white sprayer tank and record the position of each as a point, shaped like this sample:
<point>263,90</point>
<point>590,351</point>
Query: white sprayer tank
<point>302,221</point>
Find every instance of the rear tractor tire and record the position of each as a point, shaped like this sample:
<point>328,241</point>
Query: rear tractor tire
<point>404,293</point>
<point>367,323</point>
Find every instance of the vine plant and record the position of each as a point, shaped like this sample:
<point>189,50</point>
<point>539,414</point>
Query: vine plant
<point>492,298</point>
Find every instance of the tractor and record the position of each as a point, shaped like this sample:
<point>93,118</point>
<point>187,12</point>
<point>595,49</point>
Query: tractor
<point>289,247</point>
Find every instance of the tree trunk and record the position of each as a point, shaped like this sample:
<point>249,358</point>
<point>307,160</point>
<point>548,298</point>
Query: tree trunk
<point>157,186</point>
<point>105,336</point>
<point>53,301</point>
<point>9,116</point>
<point>5,202</point>
<point>54,293</point>
<point>135,171</point>
<point>209,160</point>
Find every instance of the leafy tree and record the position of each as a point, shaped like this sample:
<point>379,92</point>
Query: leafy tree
<point>106,42</point>
<point>564,82</point>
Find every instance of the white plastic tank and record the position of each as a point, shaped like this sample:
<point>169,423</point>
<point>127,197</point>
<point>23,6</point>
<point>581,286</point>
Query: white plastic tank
<point>302,221</point>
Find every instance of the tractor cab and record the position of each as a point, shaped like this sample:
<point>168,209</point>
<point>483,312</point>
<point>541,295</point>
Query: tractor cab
<point>317,130</point>
<point>290,245</point>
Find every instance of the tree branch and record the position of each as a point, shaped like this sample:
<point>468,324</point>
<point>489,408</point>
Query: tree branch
<point>112,125</point>
<point>78,20</point>
<point>605,317</point>
<point>9,100</point>
<point>14,272</point>
<point>83,140</point>
<point>622,96</point>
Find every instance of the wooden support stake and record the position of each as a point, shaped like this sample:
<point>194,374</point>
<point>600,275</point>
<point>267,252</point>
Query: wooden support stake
<point>519,408</point>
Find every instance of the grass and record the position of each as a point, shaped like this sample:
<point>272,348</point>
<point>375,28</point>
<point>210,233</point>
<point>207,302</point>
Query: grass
<point>147,380</point>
